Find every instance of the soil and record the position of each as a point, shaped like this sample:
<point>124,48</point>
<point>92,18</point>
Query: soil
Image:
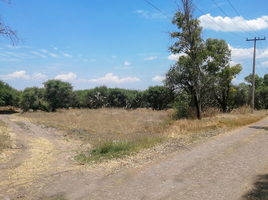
<point>40,166</point>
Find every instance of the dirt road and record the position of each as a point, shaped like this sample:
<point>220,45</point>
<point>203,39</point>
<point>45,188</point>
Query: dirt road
<point>222,167</point>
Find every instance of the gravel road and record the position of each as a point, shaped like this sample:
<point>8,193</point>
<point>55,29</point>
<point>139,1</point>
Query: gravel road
<point>223,167</point>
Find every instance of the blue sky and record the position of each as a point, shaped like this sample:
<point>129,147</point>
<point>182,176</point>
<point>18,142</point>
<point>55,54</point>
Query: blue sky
<point>118,43</point>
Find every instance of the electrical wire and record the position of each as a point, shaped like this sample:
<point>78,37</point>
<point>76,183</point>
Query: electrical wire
<point>263,52</point>
<point>231,19</point>
<point>218,24</point>
<point>243,19</point>
<point>158,9</point>
<point>257,68</point>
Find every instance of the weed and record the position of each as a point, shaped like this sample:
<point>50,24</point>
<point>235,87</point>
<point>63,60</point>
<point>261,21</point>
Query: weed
<point>5,141</point>
<point>22,125</point>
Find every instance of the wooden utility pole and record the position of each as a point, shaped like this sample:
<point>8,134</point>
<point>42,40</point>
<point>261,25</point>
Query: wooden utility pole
<point>253,73</point>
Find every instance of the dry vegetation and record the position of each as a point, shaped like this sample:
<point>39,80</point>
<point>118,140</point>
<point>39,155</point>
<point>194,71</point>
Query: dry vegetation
<point>5,141</point>
<point>116,132</point>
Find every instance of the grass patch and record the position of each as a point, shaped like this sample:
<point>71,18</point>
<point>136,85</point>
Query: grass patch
<point>5,141</point>
<point>118,149</point>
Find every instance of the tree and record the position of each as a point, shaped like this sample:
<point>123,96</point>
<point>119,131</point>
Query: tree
<point>242,94</point>
<point>8,95</point>
<point>58,94</point>
<point>97,97</point>
<point>7,32</point>
<point>187,72</point>
<point>33,98</point>
<point>220,73</point>
<point>159,97</point>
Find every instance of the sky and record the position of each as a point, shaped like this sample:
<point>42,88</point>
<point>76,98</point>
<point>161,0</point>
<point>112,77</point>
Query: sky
<point>119,43</point>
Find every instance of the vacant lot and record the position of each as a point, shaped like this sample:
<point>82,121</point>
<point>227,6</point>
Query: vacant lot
<point>109,133</point>
<point>113,147</point>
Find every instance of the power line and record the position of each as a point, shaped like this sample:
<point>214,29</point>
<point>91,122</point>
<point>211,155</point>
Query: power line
<point>217,23</point>
<point>231,19</point>
<point>157,9</point>
<point>257,61</point>
<point>243,19</point>
<point>263,52</point>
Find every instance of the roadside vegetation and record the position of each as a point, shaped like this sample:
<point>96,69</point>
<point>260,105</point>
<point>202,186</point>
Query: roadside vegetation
<point>5,141</point>
<point>114,133</point>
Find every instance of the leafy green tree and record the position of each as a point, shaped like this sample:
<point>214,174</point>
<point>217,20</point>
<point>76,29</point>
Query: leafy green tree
<point>97,97</point>
<point>181,105</point>
<point>187,72</point>
<point>242,95</point>
<point>220,73</point>
<point>8,95</point>
<point>159,97</point>
<point>58,94</point>
<point>117,98</point>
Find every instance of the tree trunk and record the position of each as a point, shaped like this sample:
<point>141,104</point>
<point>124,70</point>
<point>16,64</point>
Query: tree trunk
<point>198,107</point>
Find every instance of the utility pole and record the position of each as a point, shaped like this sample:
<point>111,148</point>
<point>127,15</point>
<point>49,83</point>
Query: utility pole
<point>253,73</point>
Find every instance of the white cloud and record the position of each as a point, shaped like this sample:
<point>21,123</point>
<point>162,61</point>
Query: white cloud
<point>39,76</point>
<point>10,60</point>
<point>150,58</point>
<point>15,75</point>
<point>43,50</point>
<point>175,57</point>
<point>227,24</point>
<point>67,55</point>
<point>114,57</point>
<point>66,77</point>
<point>110,78</point>
<point>38,54</point>
<point>265,63</point>
<point>53,55</point>
<point>237,81</point>
<point>158,78</point>
<point>127,63</point>
<point>240,53</point>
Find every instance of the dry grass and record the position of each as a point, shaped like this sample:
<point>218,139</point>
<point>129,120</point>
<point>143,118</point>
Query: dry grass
<point>115,132</point>
<point>5,141</point>
<point>100,127</point>
<point>191,130</point>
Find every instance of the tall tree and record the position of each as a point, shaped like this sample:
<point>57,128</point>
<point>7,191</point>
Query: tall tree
<point>187,72</point>
<point>58,94</point>
<point>219,71</point>
<point>7,32</point>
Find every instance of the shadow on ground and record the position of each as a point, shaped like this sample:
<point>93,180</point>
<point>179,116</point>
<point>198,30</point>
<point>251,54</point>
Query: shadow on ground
<point>260,189</point>
<point>260,127</point>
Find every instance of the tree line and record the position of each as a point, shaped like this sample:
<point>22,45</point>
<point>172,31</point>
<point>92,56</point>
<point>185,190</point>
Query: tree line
<point>59,94</point>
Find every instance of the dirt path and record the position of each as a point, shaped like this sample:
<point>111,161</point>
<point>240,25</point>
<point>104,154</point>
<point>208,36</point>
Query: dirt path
<point>223,167</point>
<point>37,157</point>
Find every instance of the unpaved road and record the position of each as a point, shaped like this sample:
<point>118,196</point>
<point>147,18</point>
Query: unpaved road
<point>223,167</point>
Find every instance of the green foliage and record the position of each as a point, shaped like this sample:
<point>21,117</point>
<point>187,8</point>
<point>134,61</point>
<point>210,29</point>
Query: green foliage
<point>97,97</point>
<point>117,149</point>
<point>181,105</point>
<point>58,94</point>
<point>219,72</point>
<point>159,97</point>
<point>187,72</point>
<point>118,98</point>
<point>8,95</point>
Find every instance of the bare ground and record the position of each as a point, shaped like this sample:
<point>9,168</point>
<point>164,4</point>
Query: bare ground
<point>233,165</point>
